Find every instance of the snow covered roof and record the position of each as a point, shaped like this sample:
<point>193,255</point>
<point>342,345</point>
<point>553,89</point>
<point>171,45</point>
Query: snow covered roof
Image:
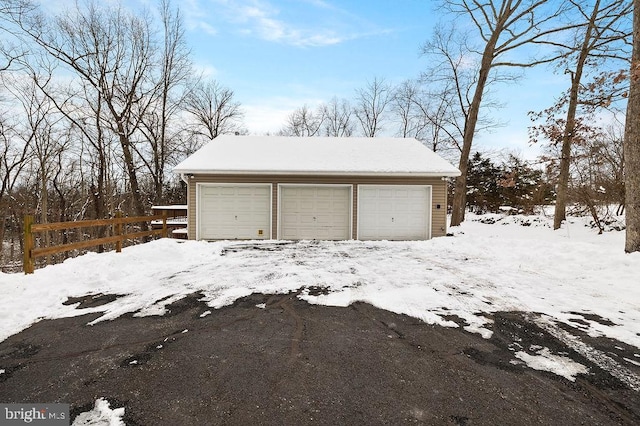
<point>316,155</point>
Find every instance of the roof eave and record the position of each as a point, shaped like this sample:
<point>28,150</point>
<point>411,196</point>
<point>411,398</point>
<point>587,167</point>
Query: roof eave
<point>317,173</point>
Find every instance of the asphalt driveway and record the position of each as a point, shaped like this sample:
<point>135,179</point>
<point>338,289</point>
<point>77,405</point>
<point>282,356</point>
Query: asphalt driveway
<point>274,359</point>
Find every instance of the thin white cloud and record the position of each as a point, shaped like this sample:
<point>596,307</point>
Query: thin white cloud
<point>205,70</point>
<point>320,4</point>
<point>262,21</point>
<point>320,23</point>
<point>205,27</point>
<point>195,18</point>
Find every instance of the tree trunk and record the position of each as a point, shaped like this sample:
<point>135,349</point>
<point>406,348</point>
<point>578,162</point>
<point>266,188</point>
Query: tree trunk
<point>3,223</point>
<point>460,189</point>
<point>560,211</point>
<point>97,194</point>
<point>138,205</point>
<point>44,213</point>
<point>632,143</point>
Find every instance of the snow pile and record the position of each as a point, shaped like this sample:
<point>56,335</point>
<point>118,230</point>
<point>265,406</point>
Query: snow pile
<point>100,415</point>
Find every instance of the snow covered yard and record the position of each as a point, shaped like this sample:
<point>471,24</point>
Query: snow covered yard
<point>572,276</point>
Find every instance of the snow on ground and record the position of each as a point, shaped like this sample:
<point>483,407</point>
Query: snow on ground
<point>545,360</point>
<point>570,274</point>
<point>100,415</point>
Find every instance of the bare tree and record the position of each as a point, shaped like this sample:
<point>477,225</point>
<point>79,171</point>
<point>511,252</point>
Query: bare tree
<point>13,155</point>
<point>304,122</point>
<point>445,121</point>
<point>110,50</point>
<point>40,133</point>
<point>215,110</point>
<point>88,128</point>
<point>370,105</point>
<point>338,118</point>
<point>409,105</point>
<point>632,143</point>
<point>600,178</point>
<point>84,110</point>
<point>13,158</point>
<point>161,137</point>
<point>450,83</point>
<point>503,27</point>
<point>601,39</point>
<point>596,173</point>
<point>11,50</point>
<point>87,114</point>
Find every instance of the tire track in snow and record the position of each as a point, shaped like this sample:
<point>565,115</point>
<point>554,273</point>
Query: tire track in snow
<point>594,355</point>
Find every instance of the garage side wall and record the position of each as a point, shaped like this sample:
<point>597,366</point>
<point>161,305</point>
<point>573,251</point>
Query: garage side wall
<point>438,208</point>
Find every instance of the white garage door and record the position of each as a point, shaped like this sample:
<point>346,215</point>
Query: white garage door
<point>315,212</point>
<point>234,212</point>
<point>394,212</point>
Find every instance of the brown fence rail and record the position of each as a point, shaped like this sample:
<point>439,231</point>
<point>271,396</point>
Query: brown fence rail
<point>31,252</point>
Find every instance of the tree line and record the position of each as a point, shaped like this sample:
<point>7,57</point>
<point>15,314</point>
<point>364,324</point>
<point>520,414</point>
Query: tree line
<point>99,102</point>
<point>589,42</point>
<point>487,43</point>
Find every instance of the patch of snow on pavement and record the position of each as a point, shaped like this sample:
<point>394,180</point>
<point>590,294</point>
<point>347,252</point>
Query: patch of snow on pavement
<point>100,415</point>
<point>546,361</point>
<point>594,355</point>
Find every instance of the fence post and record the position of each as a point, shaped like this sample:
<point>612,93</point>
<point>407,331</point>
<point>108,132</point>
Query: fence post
<point>117,230</point>
<point>28,263</point>
<point>165,231</point>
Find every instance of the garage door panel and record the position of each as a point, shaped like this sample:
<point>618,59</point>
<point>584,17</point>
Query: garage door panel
<point>309,212</point>
<point>416,222</point>
<point>230,191</point>
<point>394,212</point>
<point>245,191</point>
<point>305,209</point>
<point>306,220</point>
<point>290,205</point>
<point>225,204</point>
<point>234,212</point>
<point>323,193</point>
<point>328,219</point>
<point>399,205</point>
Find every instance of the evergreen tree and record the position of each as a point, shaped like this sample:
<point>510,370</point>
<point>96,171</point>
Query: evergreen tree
<point>513,184</point>
<point>523,187</point>
<point>483,194</point>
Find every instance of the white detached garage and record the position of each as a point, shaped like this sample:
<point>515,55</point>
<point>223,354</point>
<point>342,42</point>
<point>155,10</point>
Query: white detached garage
<point>263,187</point>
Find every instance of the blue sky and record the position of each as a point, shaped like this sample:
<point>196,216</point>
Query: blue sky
<point>278,55</point>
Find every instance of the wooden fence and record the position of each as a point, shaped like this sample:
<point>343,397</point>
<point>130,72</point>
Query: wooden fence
<point>117,237</point>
